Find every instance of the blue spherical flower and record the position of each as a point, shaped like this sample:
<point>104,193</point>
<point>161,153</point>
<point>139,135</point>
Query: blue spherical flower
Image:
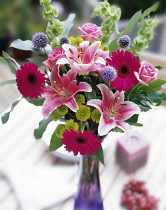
<point>124,41</point>
<point>39,40</point>
<point>108,73</point>
<point>64,40</point>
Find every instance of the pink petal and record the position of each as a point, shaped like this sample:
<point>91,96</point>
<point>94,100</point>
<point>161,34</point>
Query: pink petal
<point>141,81</point>
<point>62,61</point>
<point>83,86</point>
<point>127,110</point>
<point>71,104</point>
<point>125,127</point>
<point>90,52</point>
<point>108,96</point>
<point>96,103</point>
<point>105,125</point>
<point>49,105</point>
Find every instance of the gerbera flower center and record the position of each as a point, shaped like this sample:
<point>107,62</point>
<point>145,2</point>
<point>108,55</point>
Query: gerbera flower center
<point>81,140</point>
<point>123,71</point>
<point>32,78</point>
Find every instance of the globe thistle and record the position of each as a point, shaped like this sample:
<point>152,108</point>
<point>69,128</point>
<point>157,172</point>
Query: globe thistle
<point>39,40</point>
<point>124,41</point>
<point>108,73</point>
<point>64,40</point>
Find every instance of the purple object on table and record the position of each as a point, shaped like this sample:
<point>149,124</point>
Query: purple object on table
<point>132,154</point>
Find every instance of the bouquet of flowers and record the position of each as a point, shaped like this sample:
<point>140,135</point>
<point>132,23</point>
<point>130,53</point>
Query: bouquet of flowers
<point>93,84</point>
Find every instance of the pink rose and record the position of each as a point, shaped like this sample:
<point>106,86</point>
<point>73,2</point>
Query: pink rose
<point>53,56</point>
<point>90,32</point>
<point>147,73</point>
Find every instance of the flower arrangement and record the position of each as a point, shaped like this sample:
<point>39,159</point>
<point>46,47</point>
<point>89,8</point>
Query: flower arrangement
<point>93,84</point>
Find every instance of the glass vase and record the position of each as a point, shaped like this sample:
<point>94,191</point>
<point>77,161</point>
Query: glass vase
<point>88,196</point>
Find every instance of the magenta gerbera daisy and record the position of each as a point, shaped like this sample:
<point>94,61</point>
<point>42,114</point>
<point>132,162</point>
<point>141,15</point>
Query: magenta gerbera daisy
<point>83,142</point>
<point>126,64</point>
<point>30,80</point>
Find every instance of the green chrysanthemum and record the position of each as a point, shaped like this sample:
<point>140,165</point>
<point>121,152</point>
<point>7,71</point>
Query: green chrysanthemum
<point>62,110</point>
<point>95,115</point>
<point>55,115</point>
<point>83,113</point>
<point>60,129</point>
<point>80,99</point>
<point>75,40</point>
<point>71,125</point>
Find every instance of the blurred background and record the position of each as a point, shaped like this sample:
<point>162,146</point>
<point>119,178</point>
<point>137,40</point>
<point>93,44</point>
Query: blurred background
<point>22,18</point>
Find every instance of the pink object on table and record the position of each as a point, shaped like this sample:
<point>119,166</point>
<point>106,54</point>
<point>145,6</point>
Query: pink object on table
<point>132,154</point>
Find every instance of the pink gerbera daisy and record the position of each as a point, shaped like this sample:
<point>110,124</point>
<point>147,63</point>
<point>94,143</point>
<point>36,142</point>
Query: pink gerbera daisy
<point>84,142</point>
<point>30,80</point>
<point>126,64</point>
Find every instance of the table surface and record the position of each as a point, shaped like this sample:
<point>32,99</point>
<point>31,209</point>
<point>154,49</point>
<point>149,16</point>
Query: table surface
<point>15,145</point>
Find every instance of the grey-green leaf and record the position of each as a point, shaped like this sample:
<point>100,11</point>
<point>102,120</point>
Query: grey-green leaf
<point>153,86</point>
<point>153,8</point>
<point>38,60</point>
<point>5,117</point>
<point>38,132</point>
<point>6,62</point>
<point>132,23</point>
<point>7,82</point>
<point>157,97</point>
<point>36,102</point>
<point>100,155</point>
<point>68,23</point>
<point>28,46</point>
<point>5,55</point>
<point>55,142</point>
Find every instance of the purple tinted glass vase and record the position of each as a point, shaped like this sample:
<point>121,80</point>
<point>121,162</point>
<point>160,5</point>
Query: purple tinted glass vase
<point>89,194</point>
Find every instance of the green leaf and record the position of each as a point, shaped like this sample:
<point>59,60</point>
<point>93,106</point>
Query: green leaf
<point>100,155</point>
<point>113,46</point>
<point>6,62</point>
<point>36,102</point>
<point>5,55</point>
<point>27,45</point>
<point>55,142</point>
<point>68,23</point>
<point>117,129</point>
<point>130,28</point>
<point>38,132</point>
<point>157,97</point>
<point>153,86</point>
<point>132,119</point>
<point>7,82</point>
<point>5,117</point>
<point>38,60</point>
<point>153,8</point>
<point>158,67</point>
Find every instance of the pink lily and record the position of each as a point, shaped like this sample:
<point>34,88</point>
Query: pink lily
<point>62,91</point>
<point>114,110</point>
<point>85,58</point>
